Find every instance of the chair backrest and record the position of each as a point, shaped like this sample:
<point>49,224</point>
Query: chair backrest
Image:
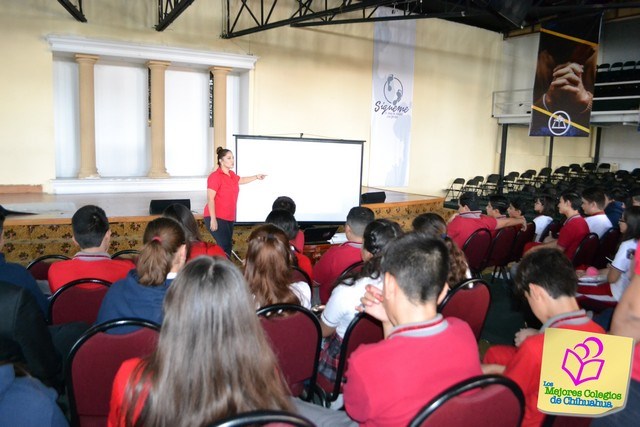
<point>482,401</point>
<point>299,275</point>
<point>295,337</point>
<point>39,267</point>
<point>130,254</point>
<point>476,249</point>
<point>264,417</point>
<point>363,329</point>
<point>352,269</point>
<point>586,250</point>
<point>78,301</point>
<point>501,247</point>
<point>607,248</point>
<point>551,230</point>
<point>93,362</point>
<point>469,301</point>
<point>522,238</point>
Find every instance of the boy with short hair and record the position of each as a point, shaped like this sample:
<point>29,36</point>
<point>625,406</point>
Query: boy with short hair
<point>91,233</point>
<point>549,283</point>
<point>593,203</point>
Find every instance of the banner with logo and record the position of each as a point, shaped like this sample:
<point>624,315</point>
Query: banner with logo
<point>565,77</point>
<point>393,50</point>
<point>584,374</point>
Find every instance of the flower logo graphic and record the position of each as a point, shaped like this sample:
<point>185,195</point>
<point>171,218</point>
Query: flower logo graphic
<point>581,362</point>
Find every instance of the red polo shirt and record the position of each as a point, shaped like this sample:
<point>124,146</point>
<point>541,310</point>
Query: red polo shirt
<point>227,188</point>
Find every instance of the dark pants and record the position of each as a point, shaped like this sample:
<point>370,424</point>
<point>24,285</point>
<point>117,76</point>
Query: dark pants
<point>223,234</point>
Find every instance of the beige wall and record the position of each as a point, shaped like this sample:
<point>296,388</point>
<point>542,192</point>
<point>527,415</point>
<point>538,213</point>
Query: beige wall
<point>311,81</point>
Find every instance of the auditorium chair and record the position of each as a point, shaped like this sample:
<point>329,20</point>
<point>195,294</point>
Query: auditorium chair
<point>93,362</point>
<point>476,249</point>
<point>295,337</point>
<point>363,329</point>
<point>468,301</point>
<point>607,248</point>
<point>496,401</point>
<point>78,301</point>
<point>39,267</point>
<point>500,251</point>
<point>586,251</point>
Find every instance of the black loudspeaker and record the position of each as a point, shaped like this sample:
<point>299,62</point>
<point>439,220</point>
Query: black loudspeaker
<point>157,206</point>
<point>373,197</point>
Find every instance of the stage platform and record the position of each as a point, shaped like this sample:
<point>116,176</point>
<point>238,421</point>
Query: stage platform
<point>48,231</point>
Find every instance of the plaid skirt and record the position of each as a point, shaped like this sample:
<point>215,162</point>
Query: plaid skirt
<point>330,357</point>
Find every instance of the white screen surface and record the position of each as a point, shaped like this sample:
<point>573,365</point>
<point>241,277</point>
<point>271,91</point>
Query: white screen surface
<point>322,176</point>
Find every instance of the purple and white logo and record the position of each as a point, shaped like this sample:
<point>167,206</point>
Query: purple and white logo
<point>581,363</point>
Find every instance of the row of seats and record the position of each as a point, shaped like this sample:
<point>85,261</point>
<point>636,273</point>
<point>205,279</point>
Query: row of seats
<point>296,340</point>
<point>618,72</point>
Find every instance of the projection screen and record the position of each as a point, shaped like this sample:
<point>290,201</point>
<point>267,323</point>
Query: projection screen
<point>322,176</point>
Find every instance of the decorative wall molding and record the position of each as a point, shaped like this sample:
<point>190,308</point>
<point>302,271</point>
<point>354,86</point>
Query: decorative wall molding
<point>125,185</point>
<point>135,52</point>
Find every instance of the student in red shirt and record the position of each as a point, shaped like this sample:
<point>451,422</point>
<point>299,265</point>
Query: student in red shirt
<point>195,245</point>
<point>549,282</point>
<point>287,203</point>
<point>90,232</point>
<point>575,228</point>
<point>222,197</point>
<point>333,262</point>
<point>212,361</point>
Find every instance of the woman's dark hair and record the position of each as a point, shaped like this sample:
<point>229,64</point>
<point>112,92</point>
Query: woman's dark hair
<point>162,239</point>
<point>221,152</point>
<point>184,217</point>
<point>377,236</point>
<point>520,204</point>
<point>548,205</point>
<point>285,221</point>
<point>267,267</point>
<point>286,203</point>
<point>632,217</point>
<point>212,360</point>
<point>434,226</point>
<point>430,223</point>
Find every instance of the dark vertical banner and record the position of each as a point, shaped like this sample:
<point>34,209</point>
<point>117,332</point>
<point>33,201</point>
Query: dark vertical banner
<point>565,77</point>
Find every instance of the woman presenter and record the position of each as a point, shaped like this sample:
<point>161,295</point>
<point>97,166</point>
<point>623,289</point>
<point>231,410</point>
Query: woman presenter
<point>222,196</point>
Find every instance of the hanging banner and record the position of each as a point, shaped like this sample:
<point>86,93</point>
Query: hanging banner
<point>565,77</point>
<point>393,50</point>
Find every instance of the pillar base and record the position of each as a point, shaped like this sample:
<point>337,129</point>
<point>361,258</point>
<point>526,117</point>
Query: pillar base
<point>158,174</point>
<point>88,175</point>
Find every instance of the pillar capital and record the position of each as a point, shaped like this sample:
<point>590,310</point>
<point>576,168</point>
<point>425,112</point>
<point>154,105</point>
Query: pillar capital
<point>220,70</point>
<point>158,64</point>
<point>86,59</point>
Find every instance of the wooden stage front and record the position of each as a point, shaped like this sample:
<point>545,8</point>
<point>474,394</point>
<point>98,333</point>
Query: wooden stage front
<point>49,230</point>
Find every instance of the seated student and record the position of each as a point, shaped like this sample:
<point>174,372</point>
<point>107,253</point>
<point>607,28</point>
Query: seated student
<point>141,294</point>
<point>497,206</point>
<point>422,353</point>
<point>212,361</point>
<point>333,262</point>
<point>614,204</point>
<point>545,209</point>
<point>196,246</point>
<point>267,269</point>
<point>19,276</point>
<point>626,323</point>
<point>619,272</point>
<point>25,401</point>
<point>341,307</point>
<point>287,203</point>
<point>593,201</point>
<point>433,225</point>
<point>25,337</point>
<point>90,232</point>
<point>285,221</point>
<point>518,207</point>
<point>548,281</point>
<point>470,219</point>
<point>575,228</point>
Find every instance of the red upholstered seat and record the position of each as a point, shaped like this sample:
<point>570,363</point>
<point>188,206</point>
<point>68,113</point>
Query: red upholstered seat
<point>469,301</point>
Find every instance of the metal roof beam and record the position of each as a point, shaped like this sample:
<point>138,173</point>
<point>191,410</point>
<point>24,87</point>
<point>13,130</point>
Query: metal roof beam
<point>75,11</point>
<point>169,10</point>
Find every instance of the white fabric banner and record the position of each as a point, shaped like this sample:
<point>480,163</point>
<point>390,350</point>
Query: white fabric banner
<point>393,50</point>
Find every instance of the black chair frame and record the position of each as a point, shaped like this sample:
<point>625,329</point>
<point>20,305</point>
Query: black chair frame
<point>125,252</point>
<point>46,257</point>
<point>463,387</point>
<point>262,417</point>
